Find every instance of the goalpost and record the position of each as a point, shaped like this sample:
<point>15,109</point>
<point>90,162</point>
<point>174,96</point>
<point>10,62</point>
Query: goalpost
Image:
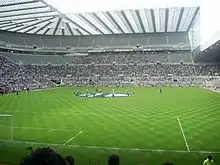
<point>6,127</point>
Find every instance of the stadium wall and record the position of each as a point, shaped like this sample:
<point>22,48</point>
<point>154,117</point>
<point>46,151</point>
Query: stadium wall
<point>209,55</point>
<point>95,41</point>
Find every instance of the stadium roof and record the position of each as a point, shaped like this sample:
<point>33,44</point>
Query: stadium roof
<point>39,17</point>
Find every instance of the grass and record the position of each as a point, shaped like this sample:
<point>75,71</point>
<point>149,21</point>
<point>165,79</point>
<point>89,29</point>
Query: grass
<point>142,129</point>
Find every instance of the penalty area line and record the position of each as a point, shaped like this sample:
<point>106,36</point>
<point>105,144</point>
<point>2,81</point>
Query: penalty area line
<point>184,137</point>
<point>73,137</point>
<point>102,147</point>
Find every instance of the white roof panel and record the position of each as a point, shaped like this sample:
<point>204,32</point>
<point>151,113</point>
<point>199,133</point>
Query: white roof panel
<point>108,21</point>
<point>132,21</point>
<point>24,14</point>
<point>187,18</point>
<point>68,6</point>
<point>160,19</point>
<point>174,14</point>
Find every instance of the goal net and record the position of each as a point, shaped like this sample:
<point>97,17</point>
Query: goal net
<point>6,127</point>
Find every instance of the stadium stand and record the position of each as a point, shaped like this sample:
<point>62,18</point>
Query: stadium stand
<point>47,156</point>
<point>102,69</point>
<point>157,54</point>
<point>103,58</point>
<point>149,68</point>
<point>164,61</point>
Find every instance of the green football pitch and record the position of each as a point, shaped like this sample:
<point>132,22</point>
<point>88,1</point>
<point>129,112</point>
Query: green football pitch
<point>181,125</point>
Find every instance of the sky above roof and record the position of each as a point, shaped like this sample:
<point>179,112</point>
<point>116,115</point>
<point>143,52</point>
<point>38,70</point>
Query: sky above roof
<point>80,6</point>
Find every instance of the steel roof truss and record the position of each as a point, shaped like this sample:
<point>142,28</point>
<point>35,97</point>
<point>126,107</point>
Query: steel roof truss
<point>115,22</point>
<point>194,16</point>
<point>89,22</point>
<point>7,25</point>
<point>179,19</point>
<point>40,12</point>
<point>166,18</point>
<point>20,9</point>
<point>67,18</point>
<point>29,29</point>
<point>153,19</point>
<point>78,31</point>
<point>63,32</point>
<point>15,26</point>
<point>73,22</point>
<point>35,17</point>
<point>70,30</point>
<point>39,22</point>
<point>42,27</point>
<point>17,23</point>
<point>137,24</point>
<point>46,31</point>
<point>57,26</point>
<point>19,3</point>
<point>6,22</point>
<point>105,25</point>
<point>127,21</point>
<point>140,20</point>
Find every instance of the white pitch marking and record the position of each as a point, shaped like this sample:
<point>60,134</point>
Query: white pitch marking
<point>38,128</point>
<point>73,137</point>
<point>107,148</point>
<point>184,137</point>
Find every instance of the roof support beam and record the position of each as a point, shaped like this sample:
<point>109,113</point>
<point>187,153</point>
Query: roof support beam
<point>39,12</point>
<point>66,17</point>
<point>115,22</point>
<point>94,26</point>
<point>19,3</point>
<point>57,26</point>
<point>7,22</point>
<point>46,31</point>
<point>153,19</point>
<point>39,22</point>
<point>8,25</point>
<point>105,25</point>
<point>79,31</point>
<point>26,21</point>
<point>69,28</point>
<point>16,19</point>
<point>42,27</point>
<point>26,31</point>
<point>194,16</point>
<point>140,20</point>
<point>18,23</point>
<point>13,27</point>
<point>73,22</point>
<point>166,18</point>
<point>128,22</point>
<point>63,32</point>
<point>21,9</point>
<point>179,19</point>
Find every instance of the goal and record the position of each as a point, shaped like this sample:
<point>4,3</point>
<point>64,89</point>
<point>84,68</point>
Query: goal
<point>6,127</point>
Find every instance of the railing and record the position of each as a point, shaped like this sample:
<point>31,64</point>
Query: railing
<point>107,48</point>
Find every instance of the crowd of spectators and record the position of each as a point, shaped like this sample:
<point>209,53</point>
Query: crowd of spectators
<point>133,70</point>
<point>102,58</point>
<point>19,77</point>
<point>112,73</point>
<point>47,156</point>
<point>120,58</point>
